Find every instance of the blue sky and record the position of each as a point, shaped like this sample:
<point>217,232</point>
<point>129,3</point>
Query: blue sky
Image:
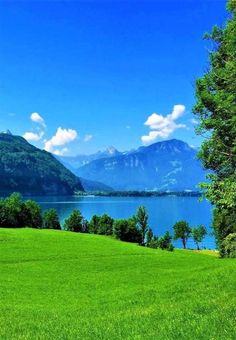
<point>79,76</point>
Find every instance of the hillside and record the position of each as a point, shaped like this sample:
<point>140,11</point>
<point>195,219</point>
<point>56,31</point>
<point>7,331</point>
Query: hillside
<point>62,285</point>
<point>29,170</point>
<point>169,165</point>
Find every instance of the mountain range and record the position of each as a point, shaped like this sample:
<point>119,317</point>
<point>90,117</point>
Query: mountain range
<point>167,166</point>
<point>164,166</point>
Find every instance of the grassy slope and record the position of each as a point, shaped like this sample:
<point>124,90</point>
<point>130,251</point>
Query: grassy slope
<point>60,285</point>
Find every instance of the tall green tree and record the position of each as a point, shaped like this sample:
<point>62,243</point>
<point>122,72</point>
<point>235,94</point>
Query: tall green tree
<point>74,222</point>
<point>142,222</point>
<point>51,220</point>
<point>182,231</point>
<point>198,234</point>
<point>216,110</point>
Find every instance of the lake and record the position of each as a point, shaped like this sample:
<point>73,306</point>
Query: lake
<point>163,211</point>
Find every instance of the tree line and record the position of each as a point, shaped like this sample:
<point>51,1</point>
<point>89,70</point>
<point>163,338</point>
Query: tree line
<point>17,213</point>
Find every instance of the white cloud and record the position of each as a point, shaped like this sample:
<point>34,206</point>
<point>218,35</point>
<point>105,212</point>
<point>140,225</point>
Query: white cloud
<point>36,118</point>
<point>87,138</point>
<point>61,152</point>
<point>62,137</point>
<point>163,126</point>
<point>33,137</point>
<point>194,121</point>
<point>150,138</point>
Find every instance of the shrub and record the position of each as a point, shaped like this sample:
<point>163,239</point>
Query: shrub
<point>165,241</point>
<point>154,243</point>
<point>126,230</point>
<point>228,246</point>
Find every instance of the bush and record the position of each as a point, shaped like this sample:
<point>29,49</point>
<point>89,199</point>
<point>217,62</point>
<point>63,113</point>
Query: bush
<point>51,220</point>
<point>154,243</point>
<point>228,246</point>
<point>165,241</point>
<point>126,230</point>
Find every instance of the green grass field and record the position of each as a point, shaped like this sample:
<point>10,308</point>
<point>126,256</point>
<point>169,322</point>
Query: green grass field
<point>62,285</point>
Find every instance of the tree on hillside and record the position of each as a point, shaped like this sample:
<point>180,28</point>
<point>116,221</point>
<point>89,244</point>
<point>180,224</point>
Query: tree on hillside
<point>198,234</point>
<point>74,222</point>
<point>105,225</point>
<point>32,214</point>
<point>182,231</point>
<point>216,110</point>
<point>94,224</point>
<point>51,219</point>
<point>126,230</point>
<point>149,237</point>
<point>142,222</point>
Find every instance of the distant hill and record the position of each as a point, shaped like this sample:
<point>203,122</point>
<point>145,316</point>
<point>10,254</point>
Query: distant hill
<point>29,170</point>
<point>168,165</point>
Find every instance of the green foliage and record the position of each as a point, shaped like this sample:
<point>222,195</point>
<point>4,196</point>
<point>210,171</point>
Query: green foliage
<point>102,225</point>
<point>126,230</point>
<point>182,231</point>
<point>51,220</point>
<point>228,246</point>
<point>62,285</point>
<point>15,213</point>
<point>94,224</point>
<point>224,223</point>
<point>142,222</point>
<point>105,225</point>
<point>198,234</point>
<point>216,110</point>
<point>74,222</point>
<point>149,237</point>
<point>165,242</point>
<point>154,243</point>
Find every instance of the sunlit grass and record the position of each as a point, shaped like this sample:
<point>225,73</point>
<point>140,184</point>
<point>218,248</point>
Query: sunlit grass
<point>62,285</point>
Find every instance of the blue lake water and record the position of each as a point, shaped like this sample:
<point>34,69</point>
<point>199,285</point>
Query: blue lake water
<point>163,211</point>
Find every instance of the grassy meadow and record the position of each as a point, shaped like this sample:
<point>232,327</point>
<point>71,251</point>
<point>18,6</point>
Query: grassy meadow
<point>63,285</point>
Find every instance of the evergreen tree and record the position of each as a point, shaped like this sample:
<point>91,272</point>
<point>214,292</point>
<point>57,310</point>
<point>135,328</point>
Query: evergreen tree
<point>74,222</point>
<point>142,223</point>
<point>51,220</point>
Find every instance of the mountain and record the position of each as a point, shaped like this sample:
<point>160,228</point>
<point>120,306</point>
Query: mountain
<point>29,170</point>
<point>75,162</point>
<point>168,165</point>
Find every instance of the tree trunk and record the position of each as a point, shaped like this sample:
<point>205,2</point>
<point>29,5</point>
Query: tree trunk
<point>184,243</point>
